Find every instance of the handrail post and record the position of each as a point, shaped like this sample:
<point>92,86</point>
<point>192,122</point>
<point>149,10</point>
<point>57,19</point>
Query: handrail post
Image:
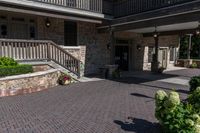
<point>48,51</point>
<point>79,69</point>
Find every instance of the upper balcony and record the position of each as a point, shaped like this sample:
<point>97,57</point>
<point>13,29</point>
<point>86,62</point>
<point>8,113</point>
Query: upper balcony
<point>97,8</point>
<point>88,5</point>
<point>84,8</point>
<point>121,8</point>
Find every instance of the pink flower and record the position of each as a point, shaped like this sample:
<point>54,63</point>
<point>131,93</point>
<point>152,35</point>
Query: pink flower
<point>66,78</point>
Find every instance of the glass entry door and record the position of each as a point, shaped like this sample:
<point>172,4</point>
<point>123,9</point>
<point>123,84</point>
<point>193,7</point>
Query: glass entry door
<point>122,57</point>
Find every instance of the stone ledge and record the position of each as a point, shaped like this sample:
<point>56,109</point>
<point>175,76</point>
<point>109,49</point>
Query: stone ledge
<point>71,47</point>
<point>29,75</point>
<point>28,83</point>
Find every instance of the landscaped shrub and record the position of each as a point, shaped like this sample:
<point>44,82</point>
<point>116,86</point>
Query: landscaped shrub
<point>194,100</point>
<point>116,74</point>
<point>6,61</point>
<point>194,83</point>
<point>9,67</point>
<point>15,70</point>
<point>176,116</point>
<point>194,65</point>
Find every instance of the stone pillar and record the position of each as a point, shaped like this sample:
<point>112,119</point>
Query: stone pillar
<point>188,62</point>
<point>189,47</point>
<point>155,63</point>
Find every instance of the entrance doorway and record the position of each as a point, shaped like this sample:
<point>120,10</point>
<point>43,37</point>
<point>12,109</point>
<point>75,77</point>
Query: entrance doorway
<point>122,57</point>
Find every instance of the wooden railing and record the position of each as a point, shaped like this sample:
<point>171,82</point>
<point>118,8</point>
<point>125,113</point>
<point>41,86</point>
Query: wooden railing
<point>128,7</point>
<point>89,5</point>
<point>39,50</point>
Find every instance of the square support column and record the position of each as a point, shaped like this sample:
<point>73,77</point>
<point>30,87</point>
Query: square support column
<point>155,63</point>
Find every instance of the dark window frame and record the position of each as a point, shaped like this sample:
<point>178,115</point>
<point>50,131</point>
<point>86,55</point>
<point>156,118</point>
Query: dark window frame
<point>71,33</point>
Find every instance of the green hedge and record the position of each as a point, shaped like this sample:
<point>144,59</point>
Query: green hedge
<point>6,61</point>
<point>194,83</point>
<point>15,70</point>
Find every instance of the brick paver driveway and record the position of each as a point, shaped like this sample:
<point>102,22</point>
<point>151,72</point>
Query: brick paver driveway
<point>93,107</point>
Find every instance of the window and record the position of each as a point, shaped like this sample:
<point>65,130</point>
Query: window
<point>70,33</point>
<point>32,32</point>
<point>150,54</point>
<point>18,19</point>
<point>3,30</point>
<point>3,17</point>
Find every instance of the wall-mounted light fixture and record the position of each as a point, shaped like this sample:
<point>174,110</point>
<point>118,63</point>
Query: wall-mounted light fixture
<point>198,30</point>
<point>47,22</point>
<point>139,47</point>
<point>108,46</point>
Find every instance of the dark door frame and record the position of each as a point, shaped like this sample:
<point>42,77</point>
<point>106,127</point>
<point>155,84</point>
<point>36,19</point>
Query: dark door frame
<point>129,44</point>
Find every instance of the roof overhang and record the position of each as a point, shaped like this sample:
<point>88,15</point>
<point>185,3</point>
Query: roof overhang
<point>184,13</point>
<point>166,28</point>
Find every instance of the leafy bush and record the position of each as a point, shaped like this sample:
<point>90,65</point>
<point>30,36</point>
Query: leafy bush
<point>176,116</point>
<point>15,70</point>
<point>194,100</point>
<point>9,67</point>
<point>116,73</point>
<point>194,83</point>
<point>6,61</point>
<point>194,65</point>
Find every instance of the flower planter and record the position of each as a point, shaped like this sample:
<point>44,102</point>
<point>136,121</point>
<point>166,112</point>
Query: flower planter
<point>64,79</point>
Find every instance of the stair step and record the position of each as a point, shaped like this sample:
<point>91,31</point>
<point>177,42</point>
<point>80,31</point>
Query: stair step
<point>53,65</point>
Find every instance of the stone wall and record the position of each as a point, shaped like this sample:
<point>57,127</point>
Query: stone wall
<point>77,51</point>
<point>92,50</point>
<point>96,52</point>
<point>164,41</point>
<point>55,32</point>
<point>28,83</point>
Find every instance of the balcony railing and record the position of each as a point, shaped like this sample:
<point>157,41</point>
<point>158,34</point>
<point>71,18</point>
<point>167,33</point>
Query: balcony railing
<point>89,5</point>
<point>128,7</point>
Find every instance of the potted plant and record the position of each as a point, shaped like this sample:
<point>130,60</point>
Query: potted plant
<point>116,74</point>
<point>161,69</point>
<point>194,65</point>
<point>64,79</point>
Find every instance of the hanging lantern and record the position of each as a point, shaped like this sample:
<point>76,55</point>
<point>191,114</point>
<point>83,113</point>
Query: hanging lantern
<point>198,30</point>
<point>155,34</point>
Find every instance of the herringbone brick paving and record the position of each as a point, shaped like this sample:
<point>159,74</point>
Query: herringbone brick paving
<point>93,107</point>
